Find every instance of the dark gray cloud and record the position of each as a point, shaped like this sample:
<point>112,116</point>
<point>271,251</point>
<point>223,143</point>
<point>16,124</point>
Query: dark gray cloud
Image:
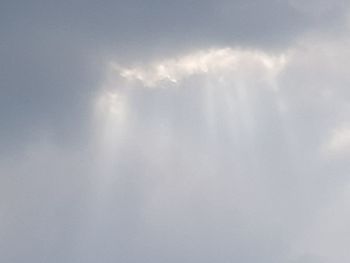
<point>45,83</point>
<point>144,23</point>
<point>49,51</point>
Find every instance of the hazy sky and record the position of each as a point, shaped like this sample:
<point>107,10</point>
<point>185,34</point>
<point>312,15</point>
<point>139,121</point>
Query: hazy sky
<point>175,131</point>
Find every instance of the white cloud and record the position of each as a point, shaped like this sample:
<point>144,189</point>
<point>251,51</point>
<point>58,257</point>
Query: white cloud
<point>112,103</point>
<point>339,141</point>
<point>213,61</point>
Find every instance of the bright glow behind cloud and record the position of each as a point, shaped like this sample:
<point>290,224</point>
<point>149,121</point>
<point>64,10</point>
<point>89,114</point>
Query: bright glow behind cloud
<point>213,61</point>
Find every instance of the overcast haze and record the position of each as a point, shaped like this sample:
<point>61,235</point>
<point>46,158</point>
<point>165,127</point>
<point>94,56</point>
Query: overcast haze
<point>175,131</point>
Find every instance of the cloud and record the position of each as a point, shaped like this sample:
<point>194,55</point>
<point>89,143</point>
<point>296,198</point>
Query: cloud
<point>339,141</point>
<point>213,62</point>
<point>61,61</point>
<point>174,131</point>
<point>316,8</point>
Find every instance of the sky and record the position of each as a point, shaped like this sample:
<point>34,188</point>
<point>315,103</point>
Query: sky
<point>174,131</point>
